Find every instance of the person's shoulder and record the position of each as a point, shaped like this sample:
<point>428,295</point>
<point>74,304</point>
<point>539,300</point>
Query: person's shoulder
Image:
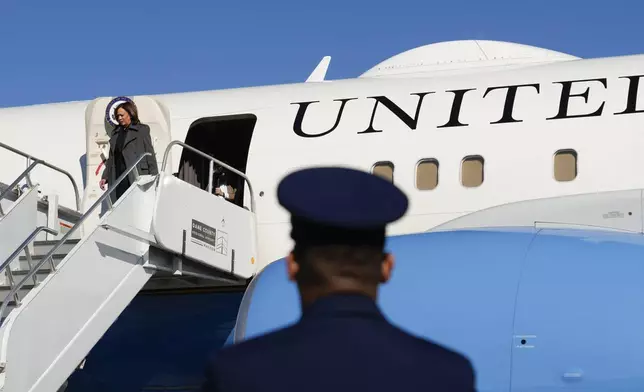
<point>142,127</point>
<point>115,131</point>
<point>228,367</point>
<point>230,364</point>
<point>453,362</point>
<point>246,349</point>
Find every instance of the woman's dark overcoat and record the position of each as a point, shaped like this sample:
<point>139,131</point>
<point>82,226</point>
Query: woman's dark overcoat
<point>135,142</point>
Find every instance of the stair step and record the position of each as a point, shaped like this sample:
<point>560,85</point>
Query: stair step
<point>21,293</point>
<point>26,287</point>
<point>43,271</point>
<point>18,275</point>
<point>37,258</point>
<point>4,290</point>
<point>43,247</point>
<point>24,266</point>
<point>54,242</point>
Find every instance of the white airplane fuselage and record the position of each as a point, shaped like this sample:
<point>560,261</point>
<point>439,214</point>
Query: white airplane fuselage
<point>593,107</point>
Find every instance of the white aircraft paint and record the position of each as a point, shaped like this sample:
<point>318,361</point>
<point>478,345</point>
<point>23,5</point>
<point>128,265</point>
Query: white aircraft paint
<point>518,156</point>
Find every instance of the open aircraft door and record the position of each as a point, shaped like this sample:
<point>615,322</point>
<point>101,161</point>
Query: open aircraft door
<point>99,125</point>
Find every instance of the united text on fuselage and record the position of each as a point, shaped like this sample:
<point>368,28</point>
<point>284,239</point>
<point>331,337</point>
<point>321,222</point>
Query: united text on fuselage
<point>570,89</point>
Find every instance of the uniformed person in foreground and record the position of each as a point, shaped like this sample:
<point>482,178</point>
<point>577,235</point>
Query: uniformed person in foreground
<point>342,342</point>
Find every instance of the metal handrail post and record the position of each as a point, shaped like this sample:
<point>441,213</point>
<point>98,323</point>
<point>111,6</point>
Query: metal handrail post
<point>71,179</point>
<point>30,183</point>
<point>68,234</point>
<point>41,162</point>
<point>30,262</point>
<point>12,281</point>
<point>17,180</point>
<point>26,242</point>
<point>211,168</point>
<point>220,163</point>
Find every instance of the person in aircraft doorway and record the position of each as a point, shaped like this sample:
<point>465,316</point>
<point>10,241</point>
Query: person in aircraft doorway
<point>222,184</point>
<point>128,142</point>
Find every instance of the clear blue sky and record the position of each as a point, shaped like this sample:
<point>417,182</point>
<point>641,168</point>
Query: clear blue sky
<point>79,49</point>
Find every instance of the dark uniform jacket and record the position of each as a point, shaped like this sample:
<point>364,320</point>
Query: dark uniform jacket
<point>126,146</point>
<point>341,343</point>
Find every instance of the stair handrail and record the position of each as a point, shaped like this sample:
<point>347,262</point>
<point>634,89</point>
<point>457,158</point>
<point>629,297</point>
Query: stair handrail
<point>215,160</point>
<point>23,245</point>
<point>37,162</point>
<point>60,242</point>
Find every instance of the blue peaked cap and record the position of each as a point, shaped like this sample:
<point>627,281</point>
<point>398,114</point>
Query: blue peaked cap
<point>333,205</point>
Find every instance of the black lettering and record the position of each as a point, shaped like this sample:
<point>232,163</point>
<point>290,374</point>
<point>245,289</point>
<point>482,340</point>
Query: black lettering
<point>565,98</point>
<point>299,117</point>
<point>509,101</point>
<point>633,87</point>
<point>397,111</point>
<point>456,108</point>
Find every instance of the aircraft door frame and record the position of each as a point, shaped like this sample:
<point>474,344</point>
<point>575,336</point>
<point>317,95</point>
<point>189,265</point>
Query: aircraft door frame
<point>99,124</point>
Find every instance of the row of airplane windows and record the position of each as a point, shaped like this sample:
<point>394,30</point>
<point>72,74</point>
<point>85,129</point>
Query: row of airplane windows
<point>473,170</point>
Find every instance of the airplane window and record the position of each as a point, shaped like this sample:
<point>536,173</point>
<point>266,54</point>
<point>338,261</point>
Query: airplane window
<point>427,174</point>
<point>384,169</point>
<point>565,165</point>
<point>472,169</point>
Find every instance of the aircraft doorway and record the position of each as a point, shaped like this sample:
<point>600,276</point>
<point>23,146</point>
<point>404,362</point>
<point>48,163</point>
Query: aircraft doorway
<point>226,138</point>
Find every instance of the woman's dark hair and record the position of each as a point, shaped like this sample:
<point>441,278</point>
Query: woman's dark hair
<point>131,109</point>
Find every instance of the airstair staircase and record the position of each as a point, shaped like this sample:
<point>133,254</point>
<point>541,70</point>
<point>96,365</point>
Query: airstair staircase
<point>63,290</point>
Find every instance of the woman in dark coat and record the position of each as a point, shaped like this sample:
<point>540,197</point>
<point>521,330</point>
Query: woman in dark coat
<point>128,142</point>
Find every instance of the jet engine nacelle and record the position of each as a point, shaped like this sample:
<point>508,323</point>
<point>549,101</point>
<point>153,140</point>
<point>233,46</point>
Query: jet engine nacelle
<point>535,310</point>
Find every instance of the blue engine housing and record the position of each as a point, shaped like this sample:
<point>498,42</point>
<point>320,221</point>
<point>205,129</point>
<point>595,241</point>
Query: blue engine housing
<point>534,310</point>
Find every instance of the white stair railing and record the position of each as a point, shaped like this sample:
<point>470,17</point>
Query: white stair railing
<point>212,160</point>
<point>35,162</point>
<point>7,262</point>
<point>211,230</point>
<point>32,163</point>
<point>33,270</point>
